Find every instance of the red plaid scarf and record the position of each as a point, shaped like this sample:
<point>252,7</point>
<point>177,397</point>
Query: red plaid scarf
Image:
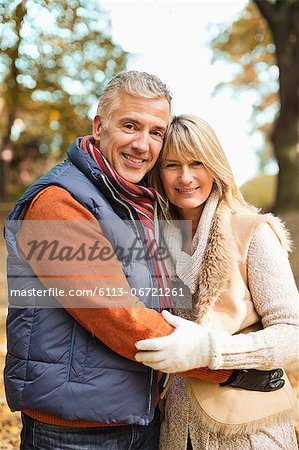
<point>138,200</point>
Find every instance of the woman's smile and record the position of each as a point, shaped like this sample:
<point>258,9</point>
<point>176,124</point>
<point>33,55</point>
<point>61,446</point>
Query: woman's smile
<point>187,184</point>
<point>186,191</point>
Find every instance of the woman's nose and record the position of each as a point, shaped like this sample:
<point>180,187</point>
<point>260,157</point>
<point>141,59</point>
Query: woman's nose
<point>186,176</point>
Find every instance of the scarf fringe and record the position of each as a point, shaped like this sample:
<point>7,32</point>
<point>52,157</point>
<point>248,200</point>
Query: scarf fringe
<point>138,201</point>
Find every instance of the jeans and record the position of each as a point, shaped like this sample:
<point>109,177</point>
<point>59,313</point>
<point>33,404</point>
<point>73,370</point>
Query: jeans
<point>36,435</point>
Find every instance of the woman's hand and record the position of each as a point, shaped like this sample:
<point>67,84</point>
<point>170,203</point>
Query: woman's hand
<point>188,347</point>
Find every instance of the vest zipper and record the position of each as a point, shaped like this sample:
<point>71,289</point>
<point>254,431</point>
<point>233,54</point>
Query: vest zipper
<point>150,391</point>
<point>152,370</point>
<point>71,351</point>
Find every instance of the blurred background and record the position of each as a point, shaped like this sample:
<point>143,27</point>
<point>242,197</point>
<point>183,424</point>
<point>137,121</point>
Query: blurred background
<point>234,63</point>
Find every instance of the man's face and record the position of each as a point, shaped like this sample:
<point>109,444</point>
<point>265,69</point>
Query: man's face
<point>132,137</point>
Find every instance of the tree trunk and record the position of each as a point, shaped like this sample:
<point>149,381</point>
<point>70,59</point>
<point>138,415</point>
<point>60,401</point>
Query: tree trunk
<point>283,21</point>
<point>11,99</point>
<point>4,164</point>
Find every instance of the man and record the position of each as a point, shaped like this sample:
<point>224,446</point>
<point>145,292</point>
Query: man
<point>71,369</point>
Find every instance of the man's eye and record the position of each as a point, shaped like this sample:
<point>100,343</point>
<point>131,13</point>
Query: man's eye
<point>129,126</point>
<point>158,134</point>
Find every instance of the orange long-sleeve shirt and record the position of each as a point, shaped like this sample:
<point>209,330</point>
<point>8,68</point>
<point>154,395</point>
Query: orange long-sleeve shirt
<point>118,327</point>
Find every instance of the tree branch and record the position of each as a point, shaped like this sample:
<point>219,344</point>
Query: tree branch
<point>267,10</point>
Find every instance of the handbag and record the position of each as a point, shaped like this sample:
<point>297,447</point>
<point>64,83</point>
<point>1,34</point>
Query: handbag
<point>232,410</point>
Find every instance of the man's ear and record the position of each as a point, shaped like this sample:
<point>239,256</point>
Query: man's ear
<point>96,127</point>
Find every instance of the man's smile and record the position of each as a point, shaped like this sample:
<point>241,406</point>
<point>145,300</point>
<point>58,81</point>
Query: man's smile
<point>134,159</point>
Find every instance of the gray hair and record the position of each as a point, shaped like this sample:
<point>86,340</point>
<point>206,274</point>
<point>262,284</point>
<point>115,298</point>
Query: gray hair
<point>140,84</point>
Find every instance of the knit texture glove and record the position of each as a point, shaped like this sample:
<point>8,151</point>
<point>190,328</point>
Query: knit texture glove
<point>190,346</point>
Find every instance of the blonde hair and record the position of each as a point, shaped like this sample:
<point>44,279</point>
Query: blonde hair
<point>140,84</point>
<point>192,138</point>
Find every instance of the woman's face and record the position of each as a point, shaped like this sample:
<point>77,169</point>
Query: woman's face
<point>187,184</point>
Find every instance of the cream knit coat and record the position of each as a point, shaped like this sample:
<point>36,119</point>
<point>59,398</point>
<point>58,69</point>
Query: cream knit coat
<point>275,299</point>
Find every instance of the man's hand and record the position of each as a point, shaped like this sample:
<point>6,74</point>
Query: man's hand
<point>188,347</point>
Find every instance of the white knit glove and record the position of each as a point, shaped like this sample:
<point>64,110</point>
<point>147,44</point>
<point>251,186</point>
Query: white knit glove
<point>188,347</point>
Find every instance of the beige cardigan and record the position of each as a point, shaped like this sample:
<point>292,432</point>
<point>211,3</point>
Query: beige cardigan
<point>229,302</point>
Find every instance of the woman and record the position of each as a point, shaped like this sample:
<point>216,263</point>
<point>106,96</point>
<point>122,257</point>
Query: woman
<point>244,300</point>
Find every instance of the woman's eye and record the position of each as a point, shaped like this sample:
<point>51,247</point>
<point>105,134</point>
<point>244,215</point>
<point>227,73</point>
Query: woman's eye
<point>171,166</point>
<point>197,163</point>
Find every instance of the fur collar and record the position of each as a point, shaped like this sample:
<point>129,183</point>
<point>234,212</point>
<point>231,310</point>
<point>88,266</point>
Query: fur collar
<point>221,251</point>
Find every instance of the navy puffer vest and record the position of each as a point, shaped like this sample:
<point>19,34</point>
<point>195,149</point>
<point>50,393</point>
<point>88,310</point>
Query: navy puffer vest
<point>53,364</point>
